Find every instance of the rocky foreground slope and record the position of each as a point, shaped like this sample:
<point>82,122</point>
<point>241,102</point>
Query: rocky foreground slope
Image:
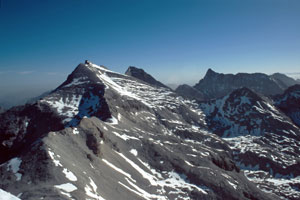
<point>104,135</point>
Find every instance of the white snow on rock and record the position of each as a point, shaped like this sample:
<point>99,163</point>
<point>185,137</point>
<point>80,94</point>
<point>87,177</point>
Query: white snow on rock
<point>125,137</point>
<point>112,121</point>
<point>119,116</point>
<point>67,187</point>
<point>7,196</point>
<point>69,175</point>
<point>52,156</point>
<point>134,152</point>
<point>232,184</point>
<point>77,81</point>
<point>118,169</point>
<point>14,166</point>
<point>91,190</point>
<point>140,192</point>
<point>75,131</point>
<point>67,107</point>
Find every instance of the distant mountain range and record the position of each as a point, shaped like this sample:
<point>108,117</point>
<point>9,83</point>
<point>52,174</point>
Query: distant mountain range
<point>105,135</point>
<point>215,85</point>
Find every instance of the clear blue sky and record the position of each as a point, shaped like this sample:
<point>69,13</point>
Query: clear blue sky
<point>41,42</point>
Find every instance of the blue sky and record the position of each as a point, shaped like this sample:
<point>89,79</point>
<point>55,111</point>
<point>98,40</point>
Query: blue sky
<point>176,41</point>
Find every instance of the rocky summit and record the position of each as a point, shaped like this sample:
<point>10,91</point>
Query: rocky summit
<point>143,76</point>
<point>104,135</point>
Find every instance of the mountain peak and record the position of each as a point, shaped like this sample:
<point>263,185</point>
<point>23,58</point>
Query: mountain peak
<point>143,76</point>
<point>81,73</point>
<point>245,92</point>
<point>210,72</point>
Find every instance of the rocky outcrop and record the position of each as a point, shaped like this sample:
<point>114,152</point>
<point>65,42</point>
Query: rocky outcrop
<point>143,76</point>
<point>189,92</point>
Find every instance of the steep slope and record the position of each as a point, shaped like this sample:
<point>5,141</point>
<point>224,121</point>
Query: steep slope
<point>264,141</point>
<point>152,145</point>
<point>289,103</point>
<point>189,92</point>
<point>215,85</point>
<point>143,76</point>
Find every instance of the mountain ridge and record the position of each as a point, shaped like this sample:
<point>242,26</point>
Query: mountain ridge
<point>119,137</point>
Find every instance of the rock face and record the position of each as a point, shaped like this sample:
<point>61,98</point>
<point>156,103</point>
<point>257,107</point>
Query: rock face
<point>289,103</point>
<point>143,76</point>
<point>215,85</point>
<point>189,92</point>
<point>104,135</point>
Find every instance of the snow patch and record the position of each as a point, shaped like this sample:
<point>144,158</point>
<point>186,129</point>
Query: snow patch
<point>118,169</point>
<point>91,190</point>
<point>7,196</point>
<point>134,152</point>
<point>125,137</point>
<point>112,121</point>
<point>52,156</point>
<point>67,187</point>
<point>75,131</point>
<point>69,175</point>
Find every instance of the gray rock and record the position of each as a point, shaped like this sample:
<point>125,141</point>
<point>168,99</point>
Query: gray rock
<point>189,92</point>
<point>143,76</point>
